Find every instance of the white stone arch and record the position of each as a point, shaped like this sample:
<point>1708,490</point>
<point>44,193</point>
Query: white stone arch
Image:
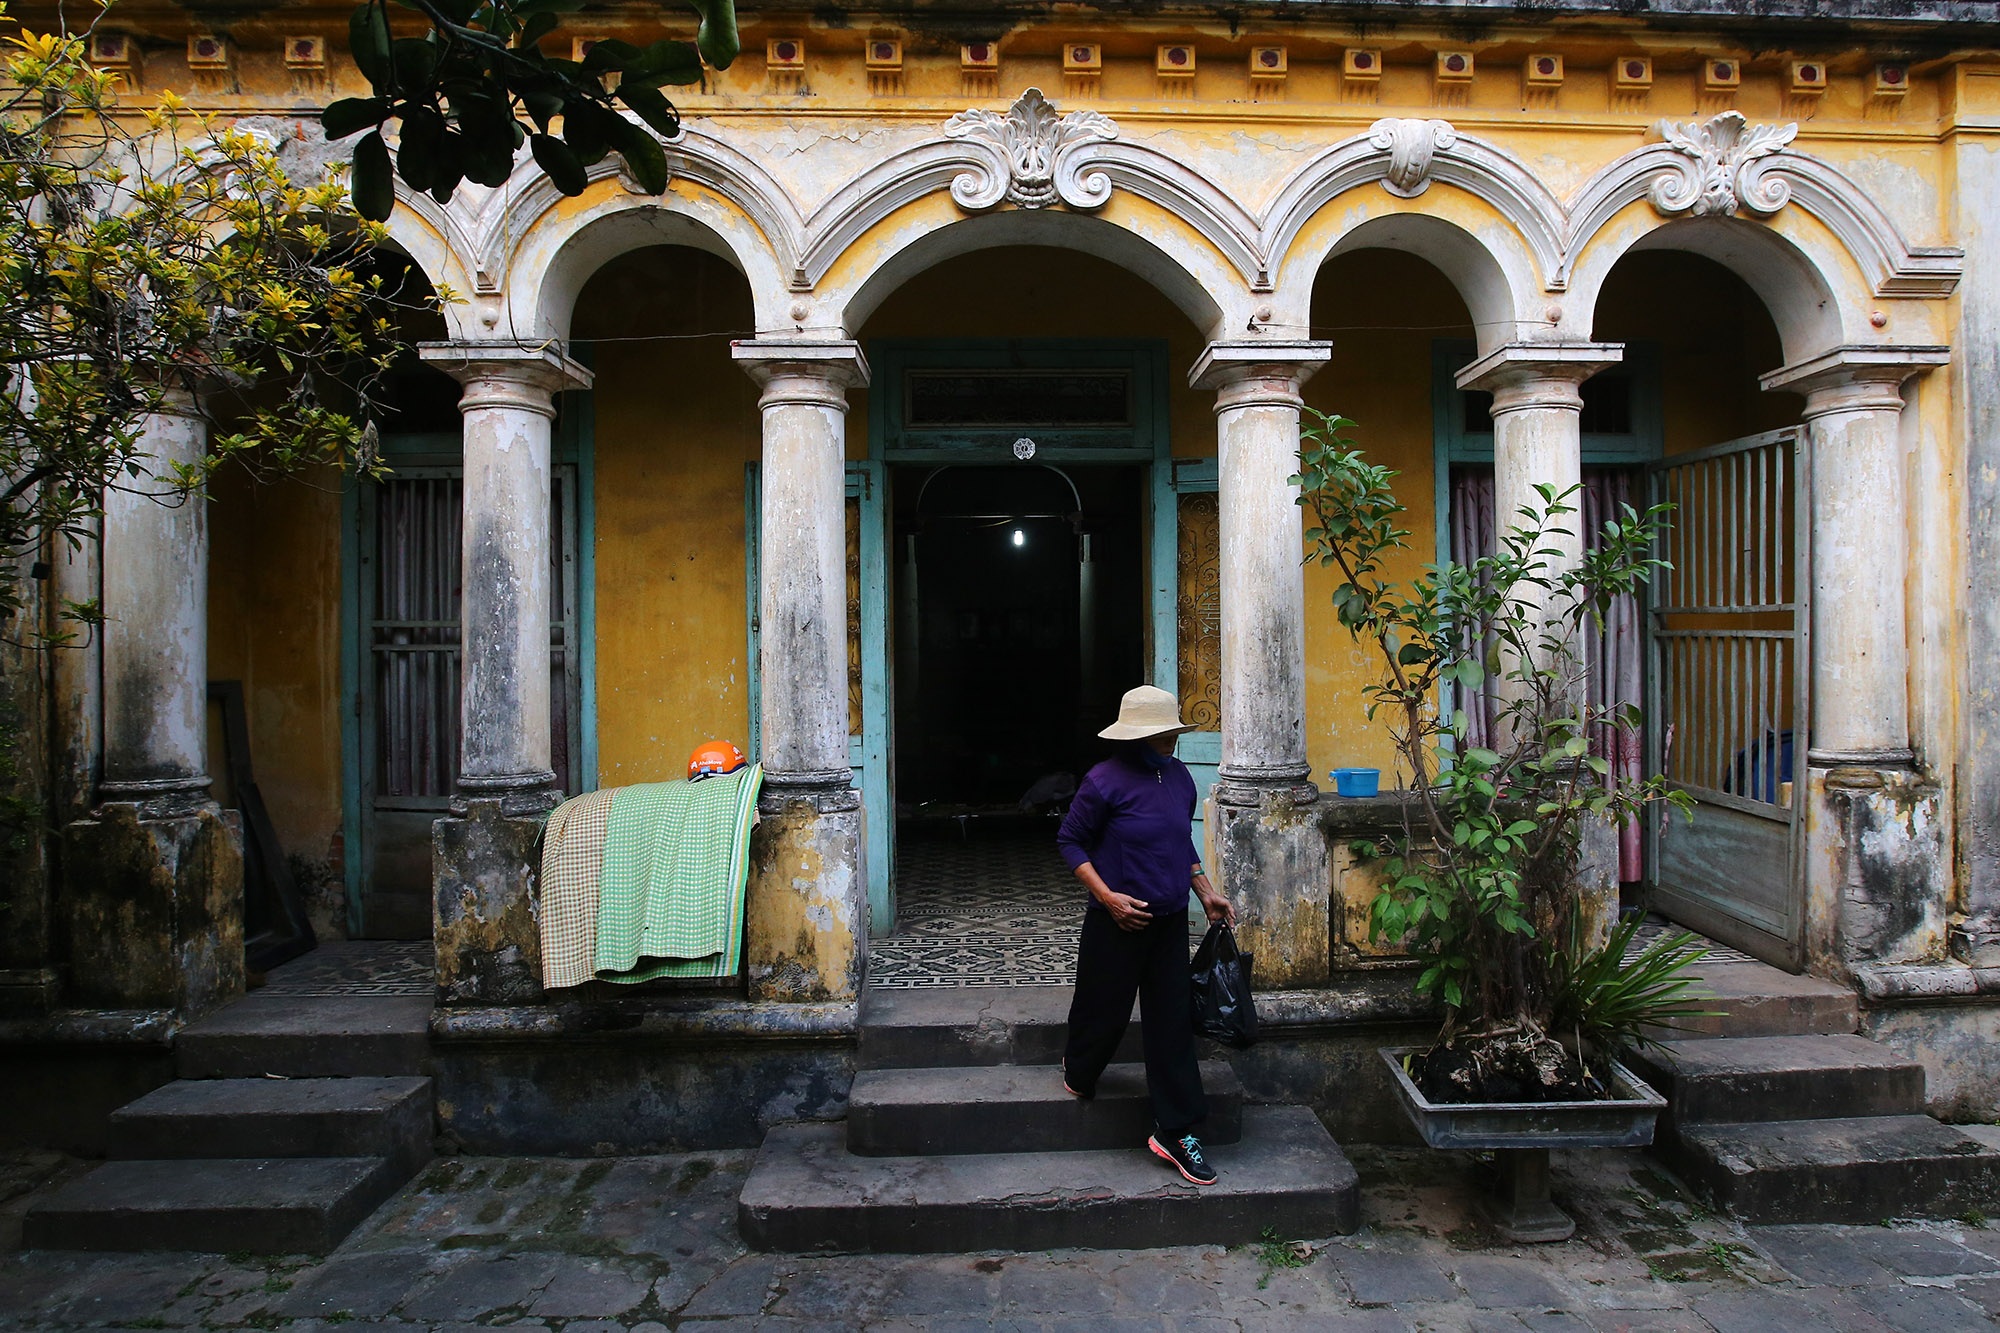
<point>1521,239</point>
<point>1814,309</point>
<point>1199,285</point>
<point>1492,276</point>
<point>524,250</point>
<point>1813,245</point>
<point>433,236</point>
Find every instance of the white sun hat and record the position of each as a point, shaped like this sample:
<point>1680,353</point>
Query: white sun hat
<point>1146,711</point>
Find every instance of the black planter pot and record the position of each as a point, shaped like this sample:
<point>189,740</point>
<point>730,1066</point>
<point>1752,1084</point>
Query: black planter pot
<point>1520,1134</point>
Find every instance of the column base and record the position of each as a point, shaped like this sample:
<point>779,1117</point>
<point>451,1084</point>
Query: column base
<point>806,921</point>
<point>1878,870</point>
<point>1273,861</point>
<point>152,909</point>
<point>489,946</point>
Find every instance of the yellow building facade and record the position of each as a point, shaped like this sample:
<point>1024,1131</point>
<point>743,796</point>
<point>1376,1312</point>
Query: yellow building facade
<point>1082,274</point>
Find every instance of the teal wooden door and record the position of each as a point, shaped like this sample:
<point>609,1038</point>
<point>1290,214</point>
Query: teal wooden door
<point>1187,614</point>
<point>869,689</point>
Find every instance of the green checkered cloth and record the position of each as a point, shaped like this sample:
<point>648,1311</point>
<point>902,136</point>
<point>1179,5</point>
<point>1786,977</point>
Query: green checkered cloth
<point>675,861</point>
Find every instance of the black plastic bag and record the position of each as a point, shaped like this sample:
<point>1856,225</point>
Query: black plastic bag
<point>1223,1008</point>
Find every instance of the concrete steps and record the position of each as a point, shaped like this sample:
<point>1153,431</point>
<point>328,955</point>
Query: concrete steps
<point>1864,1169</point>
<point>253,1117</point>
<point>1017,1109</point>
<point>285,1205</point>
<point>959,1137</point>
<point>295,1117</point>
<point>308,1036</point>
<point>946,1029</point>
<point>1781,1078</point>
<point>808,1192</point>
<point>1783,1114</point>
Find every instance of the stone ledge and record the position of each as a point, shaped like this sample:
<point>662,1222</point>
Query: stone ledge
<point>724,1021</point>
<point>94,1027</point>
<point>1920,983</point>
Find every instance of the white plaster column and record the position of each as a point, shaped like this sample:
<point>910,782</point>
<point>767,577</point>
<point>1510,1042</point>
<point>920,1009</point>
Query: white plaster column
<point>1860,653</point>
<point>1270,855</point>
<point>1877,868</point>
<point>151,908</point>
<point>155,648</point>
<point>1537,434</point>
<point>508,405</point>
<point>1262,556</point>
<point>806,924</point>
<point>802,556</point>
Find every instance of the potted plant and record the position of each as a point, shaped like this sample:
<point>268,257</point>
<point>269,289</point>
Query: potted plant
<point>1482,884</point>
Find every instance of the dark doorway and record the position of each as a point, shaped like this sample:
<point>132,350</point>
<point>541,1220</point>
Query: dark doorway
<point>1021,602</point>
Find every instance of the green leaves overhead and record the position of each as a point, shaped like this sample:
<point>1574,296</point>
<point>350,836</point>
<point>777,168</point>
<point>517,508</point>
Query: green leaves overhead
<point>469,92</point>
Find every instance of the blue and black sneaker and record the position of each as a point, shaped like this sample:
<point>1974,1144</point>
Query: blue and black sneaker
<point>1186,1157</point>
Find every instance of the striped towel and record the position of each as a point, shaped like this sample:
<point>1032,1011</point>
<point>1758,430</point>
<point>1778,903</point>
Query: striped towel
<point>647,881</point>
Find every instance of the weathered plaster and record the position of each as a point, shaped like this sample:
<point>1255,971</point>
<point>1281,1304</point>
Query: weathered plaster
<point>806,918</point>
<point>485,924</point>
<point>151,912</point>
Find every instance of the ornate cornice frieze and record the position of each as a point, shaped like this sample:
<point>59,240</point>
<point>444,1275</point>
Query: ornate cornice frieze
<point>1034,156</point>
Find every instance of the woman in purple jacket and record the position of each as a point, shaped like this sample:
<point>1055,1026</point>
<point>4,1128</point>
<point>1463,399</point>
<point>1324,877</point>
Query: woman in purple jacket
<point>1127,838</point>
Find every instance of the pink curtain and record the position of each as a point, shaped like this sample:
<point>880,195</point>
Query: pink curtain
<point>1612,656</point>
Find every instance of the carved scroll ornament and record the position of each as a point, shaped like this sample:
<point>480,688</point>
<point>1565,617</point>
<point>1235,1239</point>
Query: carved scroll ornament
<point>1036,147</point>
<point>1411,145</point>
<point>1724,164</point>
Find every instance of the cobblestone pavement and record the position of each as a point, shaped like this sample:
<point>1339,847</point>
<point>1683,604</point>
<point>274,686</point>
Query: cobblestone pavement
<point>649,1244</point>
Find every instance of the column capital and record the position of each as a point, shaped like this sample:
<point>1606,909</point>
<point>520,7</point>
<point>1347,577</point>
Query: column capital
<point>1855,379</point>
<point>1522,375</point>
<point>508,374</point>
<point>836,361</point>
<point>1224,364</point>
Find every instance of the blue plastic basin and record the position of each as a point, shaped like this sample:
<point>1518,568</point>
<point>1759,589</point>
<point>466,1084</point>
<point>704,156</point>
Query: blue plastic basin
<point>1356,781</point>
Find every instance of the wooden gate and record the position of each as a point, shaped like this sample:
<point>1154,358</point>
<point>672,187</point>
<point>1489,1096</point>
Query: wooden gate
<point>410,581</point>
<point>1728,663</point>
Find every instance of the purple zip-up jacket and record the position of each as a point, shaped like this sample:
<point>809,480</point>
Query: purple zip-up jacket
<point>1131,823</point>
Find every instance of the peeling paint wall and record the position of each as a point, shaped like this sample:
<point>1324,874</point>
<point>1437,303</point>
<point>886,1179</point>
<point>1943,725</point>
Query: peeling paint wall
<point>274,624</point>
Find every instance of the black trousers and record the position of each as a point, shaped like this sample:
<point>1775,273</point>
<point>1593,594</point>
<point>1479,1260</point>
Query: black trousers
<point>1113,964</point>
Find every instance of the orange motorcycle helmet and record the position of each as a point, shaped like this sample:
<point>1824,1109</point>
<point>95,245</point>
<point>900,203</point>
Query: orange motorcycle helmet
<point>712,757</point>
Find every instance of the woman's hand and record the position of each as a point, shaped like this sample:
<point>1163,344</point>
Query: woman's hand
<point>1219,908</point>
<point>1127,912</point>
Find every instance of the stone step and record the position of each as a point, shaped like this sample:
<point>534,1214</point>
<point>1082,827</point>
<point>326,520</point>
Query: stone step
<point>1781,1078</point>
<point>309,1036</point>
<point>1858,1170</point>
<point>942,1029</point>
<point>1757,1000</point>
<point>259,1205</point>
<point>1017,1108</point>
<point>807,1192</point>
<point>264,1117</point>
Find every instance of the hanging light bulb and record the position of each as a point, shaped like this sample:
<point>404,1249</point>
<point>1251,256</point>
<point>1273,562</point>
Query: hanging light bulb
<point>1020,537</point>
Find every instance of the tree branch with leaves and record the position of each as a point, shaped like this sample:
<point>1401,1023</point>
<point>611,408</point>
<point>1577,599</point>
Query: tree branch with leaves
<point>1481,886</point>
<point>469,92</point>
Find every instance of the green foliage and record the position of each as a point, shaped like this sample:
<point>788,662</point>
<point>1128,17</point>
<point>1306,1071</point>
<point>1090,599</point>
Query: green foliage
<point>1606,1004</point>
<point>147,253</point>
<point>476,86</point>
<point>1486,864</point>
<point>1275,1252</point>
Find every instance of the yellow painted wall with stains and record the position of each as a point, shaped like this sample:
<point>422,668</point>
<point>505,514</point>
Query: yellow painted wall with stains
<point>675,422</point>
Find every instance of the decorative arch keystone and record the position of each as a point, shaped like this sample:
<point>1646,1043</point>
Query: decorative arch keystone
<point>1411,144</point>
<point>1721,166</point>
<point>1032,139</point>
